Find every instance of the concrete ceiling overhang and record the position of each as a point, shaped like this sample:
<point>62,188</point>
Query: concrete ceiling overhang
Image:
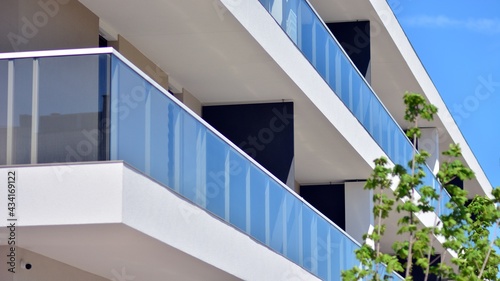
<point>118,249</point>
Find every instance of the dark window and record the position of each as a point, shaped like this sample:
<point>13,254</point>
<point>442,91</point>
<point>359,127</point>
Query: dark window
<point>102,42</point>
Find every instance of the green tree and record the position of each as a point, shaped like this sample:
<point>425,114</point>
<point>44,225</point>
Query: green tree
<point>465,225</point>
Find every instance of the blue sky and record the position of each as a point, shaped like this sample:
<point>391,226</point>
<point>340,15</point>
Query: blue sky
<point>459,44</point>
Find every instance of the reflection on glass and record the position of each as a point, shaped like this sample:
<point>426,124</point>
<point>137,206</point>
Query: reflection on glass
<point>129,93</point>
<point>293,218</point>
<point>258,180</point>
<point>23,88</point>
<point>68,110</point>
<point>276,216</point>
<point>159,137</point>
<point>239,187</point>
<point>217,178</point>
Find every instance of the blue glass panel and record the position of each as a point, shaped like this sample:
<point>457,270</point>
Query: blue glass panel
<point>309,238</point>
<point>406,152</point>
<point>258,182</point>
<point>384,124</point>
<point>320,44</point>
<point>408,148</point>
<point>337,260</point>
<point>306,21</point>
<point>290,21</point>
<point>276,216</point>
<point>375,125</point>
<point>159,139</point>
<point>365,112</point>
<point>396,156</point>
<point>129,94</point>
<point>174,145</point>
<point>357,91</point>
<point>194,156</point>
<point>239,179</point>
<point>331,61</point>
<point>346,253</point>
<point>346,80</point>
<point>69,110</point>
<point>293,228</point>
<point>217,175</point>
<point>323,248</point>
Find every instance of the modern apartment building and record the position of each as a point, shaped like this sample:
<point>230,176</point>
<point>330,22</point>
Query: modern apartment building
<point>202,139</point>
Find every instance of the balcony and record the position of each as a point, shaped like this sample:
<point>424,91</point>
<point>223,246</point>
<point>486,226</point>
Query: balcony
<point>94,105</point>
<point>308,32</point>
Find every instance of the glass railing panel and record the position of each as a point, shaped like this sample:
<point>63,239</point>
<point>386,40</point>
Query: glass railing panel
<point>161,137</point>
<point>277,234</point>
<point>368,117</point>
<point>330,74</point>
<point>292,25</point>
<point>320,46</point>
<point>400,148</point>
<point>22,111</point>
<point>174,146</point>
<point>339,261</point>
<point>384,132</point>
<point>202,181</point>
<point>218,181</point>
<point>345,260</point>
<point>239,190</point>
<point>353,92</point>
<point>323,254</point>
<point>293,219</point>
<point>128,106</point>
<point>4,74</point>
<point>306,25</point>
<point>70,106</point>
<point>374,120</point>
<point>258,194</point>
<point>309,239</point>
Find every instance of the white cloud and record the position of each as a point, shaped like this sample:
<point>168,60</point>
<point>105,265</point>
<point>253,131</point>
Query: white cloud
<point>483,25</point>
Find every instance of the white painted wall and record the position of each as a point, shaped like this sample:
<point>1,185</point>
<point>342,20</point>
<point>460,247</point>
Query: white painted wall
<point>65,194</point>
<point>358,209</point>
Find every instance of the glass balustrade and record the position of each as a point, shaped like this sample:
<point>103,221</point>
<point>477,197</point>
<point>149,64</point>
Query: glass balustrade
<point>309,33</point>
<point>98,106</point>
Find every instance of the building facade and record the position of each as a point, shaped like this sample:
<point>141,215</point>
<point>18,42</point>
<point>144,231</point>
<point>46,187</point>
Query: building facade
<point>202,139</point>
